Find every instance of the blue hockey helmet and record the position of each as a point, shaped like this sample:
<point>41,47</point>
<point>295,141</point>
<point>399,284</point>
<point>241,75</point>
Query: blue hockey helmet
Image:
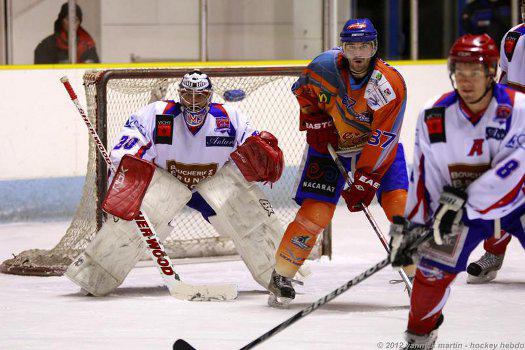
<point>358,30</point>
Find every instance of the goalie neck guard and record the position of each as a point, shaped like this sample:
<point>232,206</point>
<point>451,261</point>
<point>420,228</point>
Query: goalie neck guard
<point>195,92</point>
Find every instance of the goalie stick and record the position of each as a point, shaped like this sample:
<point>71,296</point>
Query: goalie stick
<point>181,344</point>
<point>368,215</point>
<point>155,248</point>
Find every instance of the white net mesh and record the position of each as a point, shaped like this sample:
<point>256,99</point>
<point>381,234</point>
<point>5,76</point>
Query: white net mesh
<point>113,95</point>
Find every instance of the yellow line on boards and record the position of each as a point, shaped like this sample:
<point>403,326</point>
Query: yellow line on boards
<point>194,64</point>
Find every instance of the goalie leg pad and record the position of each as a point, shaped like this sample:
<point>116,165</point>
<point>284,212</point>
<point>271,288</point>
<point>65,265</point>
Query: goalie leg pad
<point>117,247</point>
<point>247,217</point>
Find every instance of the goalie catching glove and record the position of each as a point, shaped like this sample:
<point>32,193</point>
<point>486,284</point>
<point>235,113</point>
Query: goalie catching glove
<point>259,158</point>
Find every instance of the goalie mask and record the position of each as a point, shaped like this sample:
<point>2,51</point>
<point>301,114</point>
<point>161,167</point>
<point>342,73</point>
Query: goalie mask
<point>195,92</point>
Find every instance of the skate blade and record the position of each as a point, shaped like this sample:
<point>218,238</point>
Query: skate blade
<point>471,279</point>
<point>278,302</point>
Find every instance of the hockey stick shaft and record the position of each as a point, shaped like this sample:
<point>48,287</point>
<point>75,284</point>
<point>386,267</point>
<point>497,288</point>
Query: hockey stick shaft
<point>181,344</point>
<point>368,215</point>
<point>320,302</point>
<point>335,293</point>
<point>148,234</point>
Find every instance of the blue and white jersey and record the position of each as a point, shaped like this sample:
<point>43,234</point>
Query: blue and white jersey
<point>512,58</point>
<point>159,134</point>
<point>482,154</point>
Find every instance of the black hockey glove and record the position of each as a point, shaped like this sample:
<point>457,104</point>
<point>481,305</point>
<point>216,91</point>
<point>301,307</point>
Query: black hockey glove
<point>449,212</point>
<point>403,234</point>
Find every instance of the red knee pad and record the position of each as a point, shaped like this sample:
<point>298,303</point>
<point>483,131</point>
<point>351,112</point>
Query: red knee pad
<point>429,295</point>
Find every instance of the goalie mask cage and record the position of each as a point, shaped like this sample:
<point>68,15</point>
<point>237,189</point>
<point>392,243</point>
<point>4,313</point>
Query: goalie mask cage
<point>113,95</point>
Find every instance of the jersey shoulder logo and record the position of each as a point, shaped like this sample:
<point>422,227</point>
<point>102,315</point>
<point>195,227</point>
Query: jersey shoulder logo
<point>435,121</point>
<point>222,119</point>
<point>378,92</point>
<point>163,129</point>
<point>511,39</point>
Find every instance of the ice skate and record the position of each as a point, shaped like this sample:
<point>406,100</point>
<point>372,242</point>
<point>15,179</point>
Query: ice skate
<point>485,269</point>
<point>420,342</point>
<point>281,291</point>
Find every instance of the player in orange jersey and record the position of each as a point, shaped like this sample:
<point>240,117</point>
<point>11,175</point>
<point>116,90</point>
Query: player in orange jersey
<point>353,100</point>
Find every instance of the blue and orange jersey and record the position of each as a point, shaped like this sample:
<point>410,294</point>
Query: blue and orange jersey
<point>367,114</point>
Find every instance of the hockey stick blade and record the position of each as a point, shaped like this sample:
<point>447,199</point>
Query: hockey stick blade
<point>212,292</point>
<point>368,215</point>
<point>182,345</point>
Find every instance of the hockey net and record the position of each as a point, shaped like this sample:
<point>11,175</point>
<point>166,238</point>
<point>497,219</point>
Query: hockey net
<point>112,95</point>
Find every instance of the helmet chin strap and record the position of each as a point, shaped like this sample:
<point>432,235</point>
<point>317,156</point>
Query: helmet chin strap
<point>487,89</point>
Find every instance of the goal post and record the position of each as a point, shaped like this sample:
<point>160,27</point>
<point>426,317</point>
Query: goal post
<point>113,95</point>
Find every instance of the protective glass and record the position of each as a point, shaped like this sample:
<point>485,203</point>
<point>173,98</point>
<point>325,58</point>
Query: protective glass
<point>353,50</point>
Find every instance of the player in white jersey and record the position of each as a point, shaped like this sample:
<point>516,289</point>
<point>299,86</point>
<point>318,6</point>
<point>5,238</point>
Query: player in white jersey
<point>467,180</point>
<point>512,61</point>
<point>190,144</point>
<point>512,64</point>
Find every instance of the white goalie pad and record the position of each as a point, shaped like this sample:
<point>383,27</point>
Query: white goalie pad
<point>117,247</point>
<point>247,217</point>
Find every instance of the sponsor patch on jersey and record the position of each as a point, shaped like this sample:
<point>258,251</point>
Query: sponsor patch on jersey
<point>511,39</point>
<point>517,140</point>
<point>191,174</point>
<point>378,92</point>
<point>462,175</point>
<point>163,129</point>
<point>503,112</point>
<point>320,177</point>
<point>324,97</point>
<point>495,133</point>
<point>353,141</point>
<point>220,141</point>
<point>435,121</point>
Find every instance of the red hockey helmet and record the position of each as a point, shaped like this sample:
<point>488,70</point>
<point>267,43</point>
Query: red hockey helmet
<point>475,49</point>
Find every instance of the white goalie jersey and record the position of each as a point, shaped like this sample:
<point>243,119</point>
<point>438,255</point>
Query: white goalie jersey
<point>484,155</point>
<point>158,133</point>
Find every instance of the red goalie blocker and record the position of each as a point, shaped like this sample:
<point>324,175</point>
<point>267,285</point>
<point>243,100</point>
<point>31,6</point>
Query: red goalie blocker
<point>129,185</point>
<point>259,158</point>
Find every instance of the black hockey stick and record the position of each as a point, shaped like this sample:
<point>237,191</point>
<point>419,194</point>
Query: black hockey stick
<point>368,215</point>
<point>183,345</point>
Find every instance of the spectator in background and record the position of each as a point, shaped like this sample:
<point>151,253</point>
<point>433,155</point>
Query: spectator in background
<point>487,16</point>
<point>54,48</point>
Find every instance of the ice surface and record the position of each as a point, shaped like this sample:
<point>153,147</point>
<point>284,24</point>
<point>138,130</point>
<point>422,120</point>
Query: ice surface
<point>50,313</point>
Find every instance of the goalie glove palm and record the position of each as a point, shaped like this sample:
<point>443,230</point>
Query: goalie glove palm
<point>449,212</point>
<point>259,158</point>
